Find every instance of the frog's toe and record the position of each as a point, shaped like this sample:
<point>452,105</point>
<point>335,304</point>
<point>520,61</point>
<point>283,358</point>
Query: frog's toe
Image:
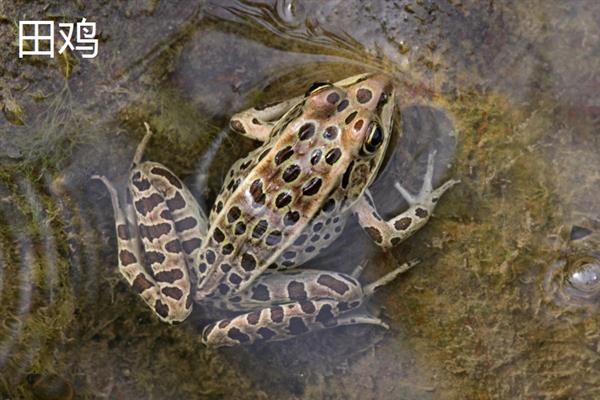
<point>427,195</point>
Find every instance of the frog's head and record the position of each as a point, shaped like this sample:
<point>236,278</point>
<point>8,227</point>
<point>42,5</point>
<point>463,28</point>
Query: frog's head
<point>358,112</point>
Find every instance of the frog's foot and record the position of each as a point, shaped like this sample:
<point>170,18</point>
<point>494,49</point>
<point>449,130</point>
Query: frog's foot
<point>282,305</point>
<point>421,206</point>
<point>427,196</point>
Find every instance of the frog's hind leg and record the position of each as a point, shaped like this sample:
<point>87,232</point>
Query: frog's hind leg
<point>167,294</point>
<point>290,303</point>
<point>392,232</point>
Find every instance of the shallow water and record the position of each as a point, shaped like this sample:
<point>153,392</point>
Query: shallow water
<point>505,302</point>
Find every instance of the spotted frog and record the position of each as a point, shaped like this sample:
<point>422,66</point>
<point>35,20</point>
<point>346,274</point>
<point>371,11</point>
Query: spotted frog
<point>279,207</point>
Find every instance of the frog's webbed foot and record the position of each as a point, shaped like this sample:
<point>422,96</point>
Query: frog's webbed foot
<point>421,206</point>
<point>427,196</point>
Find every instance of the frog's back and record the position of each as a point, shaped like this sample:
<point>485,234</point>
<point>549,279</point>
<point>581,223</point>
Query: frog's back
<point>291,179</point>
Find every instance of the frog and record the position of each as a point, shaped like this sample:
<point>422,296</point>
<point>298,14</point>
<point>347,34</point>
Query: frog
<point>279,206</point>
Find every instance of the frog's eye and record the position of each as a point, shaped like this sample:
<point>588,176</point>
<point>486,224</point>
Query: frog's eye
<point>374,139</point>
<point>316,87</point>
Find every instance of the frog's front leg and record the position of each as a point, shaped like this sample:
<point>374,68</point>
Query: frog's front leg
<point>257,122</point>
<point>390,233</point>
<point>290,303</point>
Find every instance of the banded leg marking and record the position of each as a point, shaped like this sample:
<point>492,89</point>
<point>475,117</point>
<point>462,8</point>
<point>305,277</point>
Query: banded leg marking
<point>390,233</point>
<point>166,292</point>
<point>320,304</point>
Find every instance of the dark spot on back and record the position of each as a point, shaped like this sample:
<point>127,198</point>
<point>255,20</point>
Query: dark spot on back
<point>233,214</point>
<point>227,249</point>
<point>329,205</point>
<point>288,255</point>
<point>256,192</point>
<point>290,218</point>
<point>306,131</point>
<point>331,132</point>
<point>235,278</point>
<point>225,268</point>
<point>312,187</point>
<point>240,228</point>
<point>315,156</point>
<point>273,238</point>
<point>173,246</point>
<point>283,155</point>
<point>210,256</point>
<point>333,98</point>
<point>342,106</point>
<point>152,232</point>
<point>283,199</point>
<point>291,173</point>
<point>248,262</point>
<point>363,95</point>
<point>260,228</point>
<point>350,117</point>
<point>223,288</point>
<point>333,155</point>
<point>218,235</point>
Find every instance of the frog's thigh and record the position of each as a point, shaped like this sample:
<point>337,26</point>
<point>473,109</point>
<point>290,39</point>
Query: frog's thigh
<point>190,221</point>
<point>167,292</point>
<point>257,123</point>
<point>288,304</point>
